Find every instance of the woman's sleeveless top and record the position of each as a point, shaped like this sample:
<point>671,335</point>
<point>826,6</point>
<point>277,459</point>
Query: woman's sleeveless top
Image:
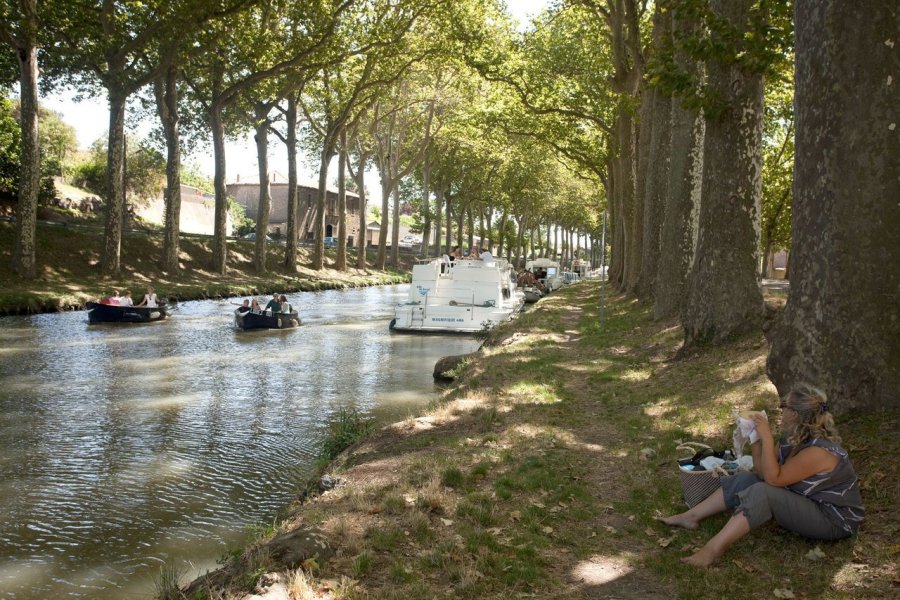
<point>836,491</point>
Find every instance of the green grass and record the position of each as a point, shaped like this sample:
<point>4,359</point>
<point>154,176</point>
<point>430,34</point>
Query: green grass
<point>536,468</point>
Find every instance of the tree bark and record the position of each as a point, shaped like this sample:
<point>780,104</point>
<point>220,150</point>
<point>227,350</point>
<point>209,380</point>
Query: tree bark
<point>23,256</point>
<point>167,106</point>
<point>325,157</point>
<point>220,232</point>
<point>682,204</point>
<point>265,196</point>
<point>656,171</point>
<point>110,264</point>
<point>361,190</point>
<point>724,298</point>
<point>840,329</point>
<point>291,245</point>
<point>340,262</point>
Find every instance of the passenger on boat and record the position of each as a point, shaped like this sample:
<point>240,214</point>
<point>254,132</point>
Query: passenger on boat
<point>274,305</point>
<point>126,299</point>
<point>244,307</point>
<point>486,256</point>
<point>285,305</point>
<point>456,253</point>
<point>255,308</point>
<point>149,299</point>
<point>113,300</point>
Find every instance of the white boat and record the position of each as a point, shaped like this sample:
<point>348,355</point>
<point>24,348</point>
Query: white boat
<point>547,272</point>
<point>465,296</point>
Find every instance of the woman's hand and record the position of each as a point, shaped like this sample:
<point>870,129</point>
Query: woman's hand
<point>762,426</point>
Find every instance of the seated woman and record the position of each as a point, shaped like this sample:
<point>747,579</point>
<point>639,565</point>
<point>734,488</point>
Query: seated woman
<point>806,484</point>
<point>255,308</point>
<point>285,305</point>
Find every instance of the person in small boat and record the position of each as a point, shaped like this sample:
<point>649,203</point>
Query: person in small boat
<point>805,482</point>
<point>244,307</point>
<point>112,300</point>
<point>149,299</point>
<point>285,305</point>
<point>455,254</point>
<point>255,308</point>
<point>126,299</point>
<point>274,305</point>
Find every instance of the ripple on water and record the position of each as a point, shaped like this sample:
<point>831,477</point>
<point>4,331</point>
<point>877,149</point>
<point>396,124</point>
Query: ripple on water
<point>123,447</point>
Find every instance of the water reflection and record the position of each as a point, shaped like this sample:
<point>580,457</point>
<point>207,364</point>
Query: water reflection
<point>125,446</point>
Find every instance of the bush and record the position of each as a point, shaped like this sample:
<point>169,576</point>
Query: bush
<point>345,430</point>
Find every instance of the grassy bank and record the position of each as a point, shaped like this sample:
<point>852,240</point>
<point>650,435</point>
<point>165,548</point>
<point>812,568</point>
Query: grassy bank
<point>68,259</point>
<point>542,471</point>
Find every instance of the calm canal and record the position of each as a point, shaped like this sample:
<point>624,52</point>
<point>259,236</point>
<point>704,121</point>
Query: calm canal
<point>123,447</point>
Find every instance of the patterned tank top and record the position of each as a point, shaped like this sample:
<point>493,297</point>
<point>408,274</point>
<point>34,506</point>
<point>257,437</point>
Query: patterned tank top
<point>836,491</point>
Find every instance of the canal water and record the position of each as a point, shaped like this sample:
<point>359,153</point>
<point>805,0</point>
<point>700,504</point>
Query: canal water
<point>123,447</point>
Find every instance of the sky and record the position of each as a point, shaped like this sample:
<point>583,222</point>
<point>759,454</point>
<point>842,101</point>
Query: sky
<point>91,121</point>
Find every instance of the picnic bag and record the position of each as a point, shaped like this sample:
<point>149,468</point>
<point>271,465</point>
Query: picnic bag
<point>697,485</point>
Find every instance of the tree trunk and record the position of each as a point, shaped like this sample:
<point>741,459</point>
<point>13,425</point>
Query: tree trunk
<point>840,329</point>
<point>682,204</point>
<point>633,216</point>
<point>724,298</point>
<point>471,225</point>
<point>449,222</point>
<point>220,233</point>
<point>340,262</point>
<point>115,185</point>
<point>291,245</point>
<point>167,107</point>
<point>380,259</point>
<point>657,180</point>
<point>438,220</point>
<point>325,157</point>
<point>395,226</point>
<point>265,196</point>
<point>426,205</point>
<point>361,190</point>
<point>23,257</point>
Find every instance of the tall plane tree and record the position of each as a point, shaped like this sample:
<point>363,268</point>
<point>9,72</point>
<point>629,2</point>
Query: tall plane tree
<point>724,297</point>
<point>19,28</point>
<point>841,327</point>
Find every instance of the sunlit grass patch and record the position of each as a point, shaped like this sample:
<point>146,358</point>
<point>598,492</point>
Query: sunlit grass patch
<point>533,393</point>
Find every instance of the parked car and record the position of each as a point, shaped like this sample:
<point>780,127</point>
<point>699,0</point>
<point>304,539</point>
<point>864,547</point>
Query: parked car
<point>331,242</point>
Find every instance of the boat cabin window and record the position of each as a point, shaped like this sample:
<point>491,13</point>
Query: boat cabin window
<point>551,271</point>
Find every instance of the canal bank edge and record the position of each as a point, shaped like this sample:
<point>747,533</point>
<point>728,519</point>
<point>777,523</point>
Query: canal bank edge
<point>69,274</point>
<point>532,475</point>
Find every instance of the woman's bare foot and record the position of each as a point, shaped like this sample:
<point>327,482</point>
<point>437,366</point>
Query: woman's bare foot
<point>680,520</point>
<point>703,558</point>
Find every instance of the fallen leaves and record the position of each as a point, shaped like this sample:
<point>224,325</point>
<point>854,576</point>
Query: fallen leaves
<point>783,593</point>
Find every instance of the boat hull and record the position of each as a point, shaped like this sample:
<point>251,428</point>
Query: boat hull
<point>110,313</point>
<point>448,319</point>
<point>249,321</point>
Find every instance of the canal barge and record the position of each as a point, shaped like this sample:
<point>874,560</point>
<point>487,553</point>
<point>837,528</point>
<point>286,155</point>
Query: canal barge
<point>462,296</point>
<point>112,313</point>
<point>254,320</point>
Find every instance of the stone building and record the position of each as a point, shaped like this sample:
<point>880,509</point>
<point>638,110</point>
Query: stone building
<point>247,195</point>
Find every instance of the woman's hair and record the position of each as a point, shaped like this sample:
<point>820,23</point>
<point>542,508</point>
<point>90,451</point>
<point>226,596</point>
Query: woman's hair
<point>814,420</point>
<point>283,298</point>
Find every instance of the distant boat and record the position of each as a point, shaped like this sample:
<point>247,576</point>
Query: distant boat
<point>463,296</point>
<point>113,313</point>
<point>546,271</point>
<point>252,320</point>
